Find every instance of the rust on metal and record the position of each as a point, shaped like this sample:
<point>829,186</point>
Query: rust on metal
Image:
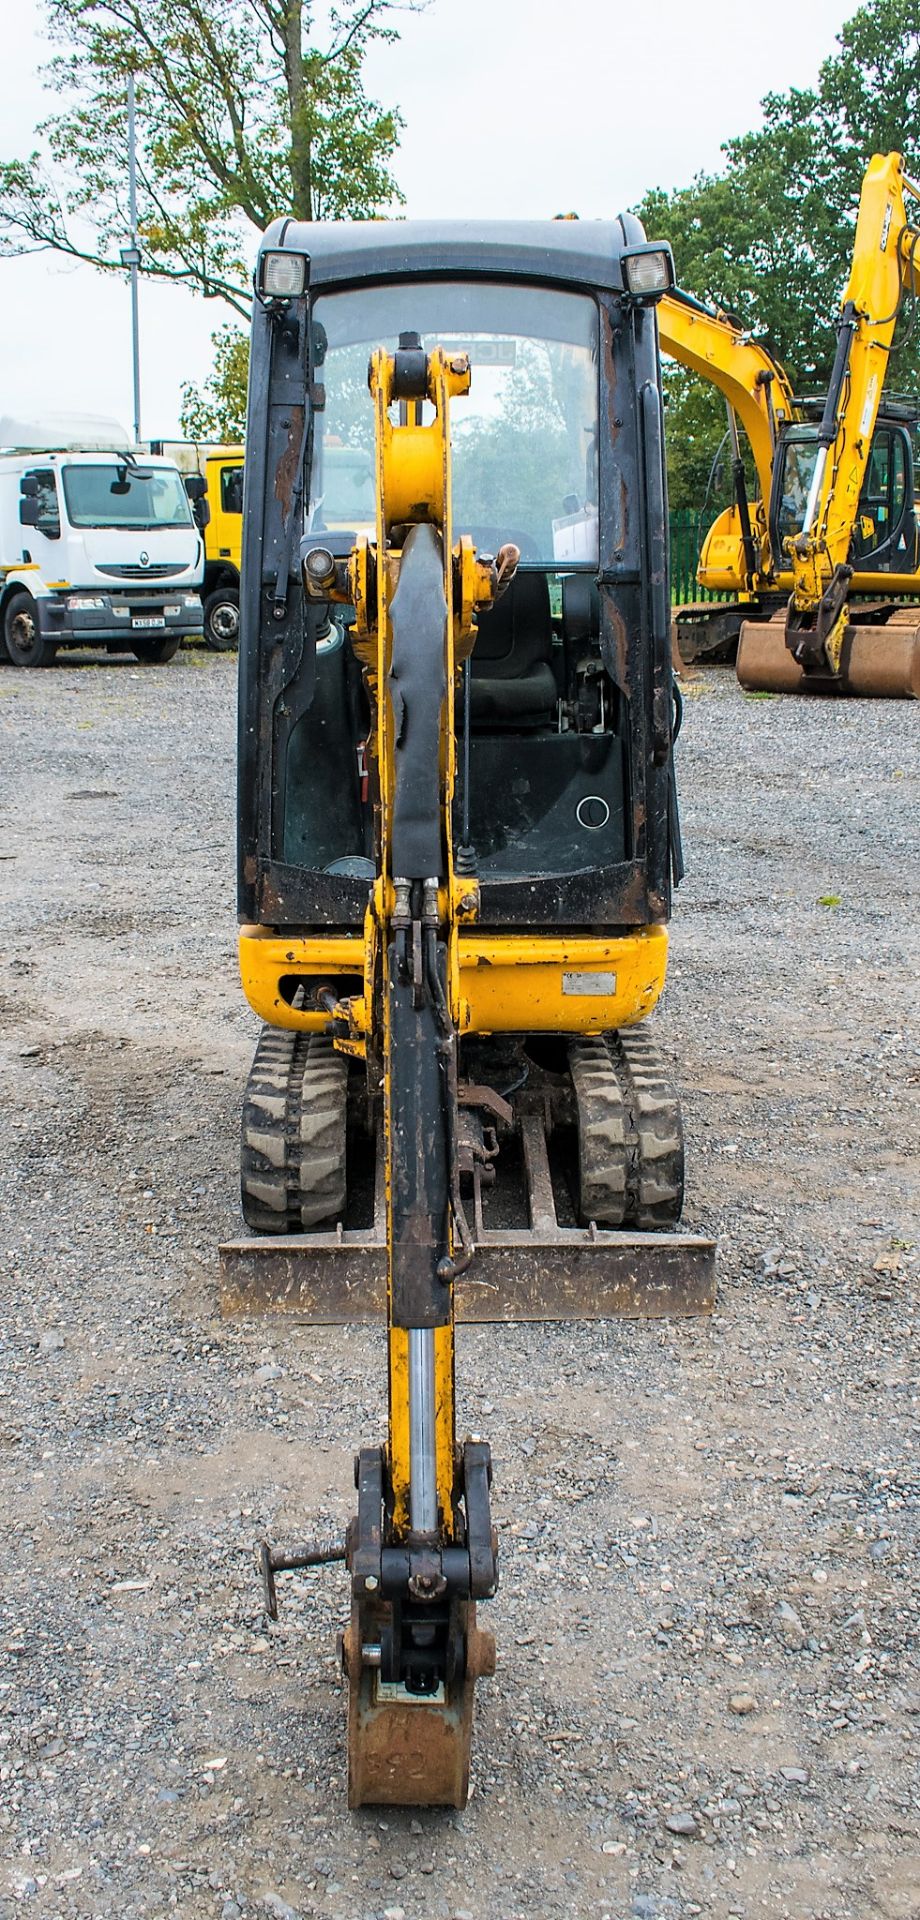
<point>286,472</point>
<point>550,1273</point>
<point>883,661</point>
<point>470,1094</point>
<point>408,1752</point>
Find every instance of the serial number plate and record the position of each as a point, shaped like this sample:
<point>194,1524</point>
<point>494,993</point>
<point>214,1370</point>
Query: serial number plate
<point>149,620</point>
<point>589,983</point>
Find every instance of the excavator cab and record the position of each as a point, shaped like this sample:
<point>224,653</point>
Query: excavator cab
<point>458,839</point>
<point>884,538</point>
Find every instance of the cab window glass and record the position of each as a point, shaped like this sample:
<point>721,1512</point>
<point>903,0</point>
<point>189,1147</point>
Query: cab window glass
<point>898,479</point>
<point>800,458</point>
<point>49,513</point>
<point>231,489</point>
<point>523,440</point>
<point>883,483</point>
<point>119,495</point>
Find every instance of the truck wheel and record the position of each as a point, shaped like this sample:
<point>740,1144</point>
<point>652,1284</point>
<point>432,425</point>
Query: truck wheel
<point>222,619</point>
<point>24,642</point>
<point>155,653</point>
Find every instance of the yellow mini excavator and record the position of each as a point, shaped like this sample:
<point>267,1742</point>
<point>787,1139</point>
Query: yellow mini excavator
<point>825,566</point>
<point>458,837</point>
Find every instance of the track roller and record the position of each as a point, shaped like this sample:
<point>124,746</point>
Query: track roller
<point>292,1159</point>
<point>630,1136</point>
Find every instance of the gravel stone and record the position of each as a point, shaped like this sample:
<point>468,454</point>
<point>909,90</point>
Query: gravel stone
<point>682,1823</point>
<point>662,1489</point>
<point>742,1703</point>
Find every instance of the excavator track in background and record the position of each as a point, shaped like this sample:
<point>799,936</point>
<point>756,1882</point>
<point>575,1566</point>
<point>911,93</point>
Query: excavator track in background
<point>630,1136</point>
<point>292,1164</point>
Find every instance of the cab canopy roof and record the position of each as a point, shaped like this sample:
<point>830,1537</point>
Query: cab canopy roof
<point>579,250</point>
<point>62,433</point>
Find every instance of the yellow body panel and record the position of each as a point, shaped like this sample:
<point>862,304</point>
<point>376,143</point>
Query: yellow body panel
<point>500,983</point>
<point>223,535</point>
<point>722,567</point>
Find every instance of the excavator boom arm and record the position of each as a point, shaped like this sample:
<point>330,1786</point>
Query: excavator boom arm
<point>885,264</point>
<point>754,384</point>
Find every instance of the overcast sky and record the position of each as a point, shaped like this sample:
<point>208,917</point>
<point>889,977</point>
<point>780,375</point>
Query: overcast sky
<point>522,108</point>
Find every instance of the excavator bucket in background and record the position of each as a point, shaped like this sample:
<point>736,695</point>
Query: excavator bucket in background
<point>881,662</point>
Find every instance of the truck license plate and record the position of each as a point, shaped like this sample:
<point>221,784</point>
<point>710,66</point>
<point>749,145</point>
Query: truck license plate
<point>149,620</point>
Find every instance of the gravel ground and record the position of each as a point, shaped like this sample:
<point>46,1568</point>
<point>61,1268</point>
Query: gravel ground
<point>707,1699</point>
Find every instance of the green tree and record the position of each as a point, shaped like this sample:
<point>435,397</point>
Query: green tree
<point>241,115</point>
<point>217,411</point>
<point>769,238</point>
<point>696,428</point>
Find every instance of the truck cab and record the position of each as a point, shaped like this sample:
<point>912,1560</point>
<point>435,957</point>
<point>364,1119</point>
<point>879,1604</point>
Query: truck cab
<point>98,547</point>
<point>223,471</point>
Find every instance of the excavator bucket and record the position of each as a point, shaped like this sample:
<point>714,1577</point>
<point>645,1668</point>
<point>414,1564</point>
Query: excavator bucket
<point>875,661</point>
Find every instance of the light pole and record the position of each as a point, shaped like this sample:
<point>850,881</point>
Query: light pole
<point>131,258</point>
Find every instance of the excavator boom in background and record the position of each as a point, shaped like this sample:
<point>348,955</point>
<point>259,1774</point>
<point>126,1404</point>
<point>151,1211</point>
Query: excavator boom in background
<point>824,565</point>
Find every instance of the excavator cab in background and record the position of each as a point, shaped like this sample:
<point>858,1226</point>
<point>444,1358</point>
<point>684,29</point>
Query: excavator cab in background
<point>458,839</point>
<point>884,538</point>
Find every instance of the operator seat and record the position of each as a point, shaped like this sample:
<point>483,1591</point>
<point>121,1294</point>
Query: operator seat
<point>512,682</point>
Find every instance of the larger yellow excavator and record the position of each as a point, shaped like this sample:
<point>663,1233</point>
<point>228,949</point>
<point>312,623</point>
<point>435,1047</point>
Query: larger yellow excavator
<point>458,838</point>
<point>825,566</point>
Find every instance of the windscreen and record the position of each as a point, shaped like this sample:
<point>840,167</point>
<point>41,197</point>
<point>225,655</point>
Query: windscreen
<point>799,457</point>
<point>524,439</point>
<point>113,495</point>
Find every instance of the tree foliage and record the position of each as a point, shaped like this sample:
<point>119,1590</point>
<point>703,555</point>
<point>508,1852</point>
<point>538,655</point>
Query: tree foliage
<point>769,237</point>
<point>241,115</point>
<point>217,411</point>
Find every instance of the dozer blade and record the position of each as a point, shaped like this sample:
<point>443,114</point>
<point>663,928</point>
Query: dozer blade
<point>405,1751</point>
<point>331,1279</point>
<point>880,662</point>
<point>541,1272</point>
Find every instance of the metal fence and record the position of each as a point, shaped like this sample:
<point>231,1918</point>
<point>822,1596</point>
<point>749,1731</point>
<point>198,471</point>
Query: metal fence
<point>688,531</point>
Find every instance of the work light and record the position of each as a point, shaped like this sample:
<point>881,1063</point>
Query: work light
<point>282,275</point>
<point>648,270</point>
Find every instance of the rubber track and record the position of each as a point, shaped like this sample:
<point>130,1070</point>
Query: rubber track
<point>630,1137</point>
<point>292,1149</point>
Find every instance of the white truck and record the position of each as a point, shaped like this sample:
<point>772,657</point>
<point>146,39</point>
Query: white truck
<point>99,546</point>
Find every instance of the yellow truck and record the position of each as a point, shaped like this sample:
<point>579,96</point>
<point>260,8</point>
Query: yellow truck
<point>222,468</point>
